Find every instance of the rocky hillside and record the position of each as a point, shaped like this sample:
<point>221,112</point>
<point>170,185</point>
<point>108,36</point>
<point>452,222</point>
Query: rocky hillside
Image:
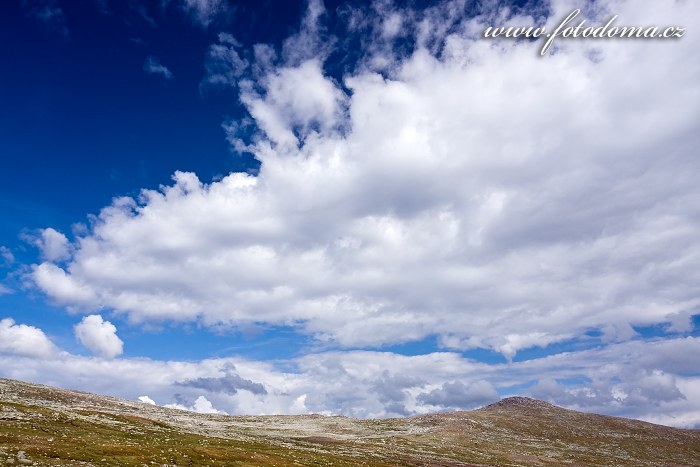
<point>40,425</point>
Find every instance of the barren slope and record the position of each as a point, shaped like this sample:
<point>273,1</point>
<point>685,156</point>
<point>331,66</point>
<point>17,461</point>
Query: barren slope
<point>58,427</point>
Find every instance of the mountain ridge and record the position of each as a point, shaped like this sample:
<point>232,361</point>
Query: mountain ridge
<point>43,425</point>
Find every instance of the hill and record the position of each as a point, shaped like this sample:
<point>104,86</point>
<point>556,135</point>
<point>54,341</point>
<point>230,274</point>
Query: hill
<point>41,425</point>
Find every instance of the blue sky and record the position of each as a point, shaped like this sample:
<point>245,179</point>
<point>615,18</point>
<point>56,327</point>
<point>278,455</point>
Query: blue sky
<point>350,208</point>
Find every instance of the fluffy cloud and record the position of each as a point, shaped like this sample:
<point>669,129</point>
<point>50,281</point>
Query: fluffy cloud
<point>473,191</point>
<point>146,400</point>
<point>458,395</point>
<point>99,336</point>
<point>297,102</point>
<point>61,287</point>
<point>23,340</point>
<point>230,383</point>
<point>153,66</point>
<point>54,246</point>
<point>200,405</point>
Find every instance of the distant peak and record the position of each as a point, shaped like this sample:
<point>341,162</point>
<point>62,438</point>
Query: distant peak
<point>520,401</point>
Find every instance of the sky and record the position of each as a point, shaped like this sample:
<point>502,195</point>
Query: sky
<point>351,208</point>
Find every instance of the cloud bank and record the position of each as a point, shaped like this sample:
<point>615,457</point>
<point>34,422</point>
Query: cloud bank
<point>651,380</point>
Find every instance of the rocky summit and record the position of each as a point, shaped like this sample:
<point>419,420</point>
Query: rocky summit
<point>41,425</point>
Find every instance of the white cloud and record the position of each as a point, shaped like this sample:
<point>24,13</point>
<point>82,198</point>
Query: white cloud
<point>224,65</point>
<point>62,287</point>
<point>297,100</point>
<point>23,340</point>
<point>153,66</point>
<point>311,41</point>
<point>204,12</point>
<point>471,191</point>
<point>54,246</point>
<point>200,405</point>
<point>146,400</point>
<point>456,394</point>
<point>7,256</point>
<point>99,336</point>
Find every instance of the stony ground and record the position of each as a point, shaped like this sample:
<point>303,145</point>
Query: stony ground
<point>40,425</point>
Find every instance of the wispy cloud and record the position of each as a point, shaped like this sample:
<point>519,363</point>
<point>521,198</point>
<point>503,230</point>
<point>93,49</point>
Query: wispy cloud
<point>6,256</point>
<point>204,12</point>
<point>142,10</point>
<point>224,64</point>
<point>103,6</point>
<point>154,67</point>
<point>49,13</point>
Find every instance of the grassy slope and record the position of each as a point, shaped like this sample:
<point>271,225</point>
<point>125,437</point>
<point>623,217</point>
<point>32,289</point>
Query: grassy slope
<point>58,427</point>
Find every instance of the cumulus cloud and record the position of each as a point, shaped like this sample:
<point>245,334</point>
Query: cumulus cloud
<point>99,336</point>
<point>54,245</point>
<point>153,66</point>
<point>230,383</point>
<point>627,393</point>
<point>62,287</point>
<point>393,390</point>
<point>434,192</point>
<point>23,340</point>
<point>200,405</point>
<point>458,395</point>
<point>297,102</point>
<point>147,400</point>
